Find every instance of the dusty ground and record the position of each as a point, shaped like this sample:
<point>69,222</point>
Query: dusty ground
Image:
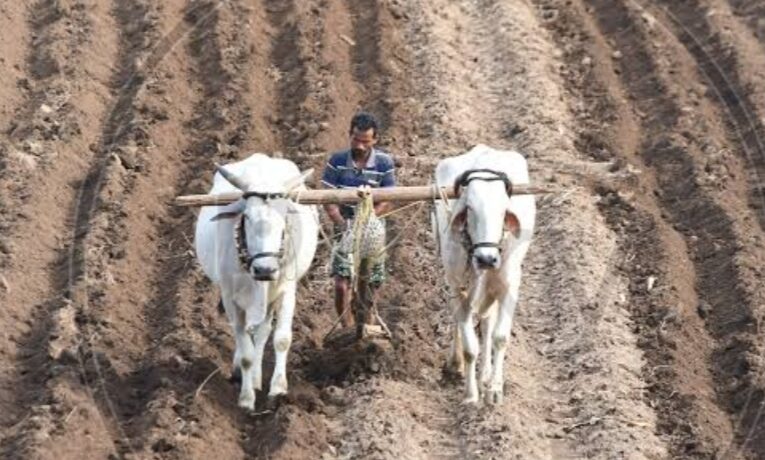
<point>637,335</point>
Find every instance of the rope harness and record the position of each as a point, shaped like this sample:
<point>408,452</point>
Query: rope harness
<point>245,259</point>
<point>240,238</point>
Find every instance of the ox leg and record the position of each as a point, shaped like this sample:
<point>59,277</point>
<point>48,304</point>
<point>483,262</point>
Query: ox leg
<point>502,334</point>
<point>456,356</point>
<point>246,351</point>
<point>231,311</point>
<point>487,331</point>
<point>456,361</point>
<point>259,338</point>
<point>282,341</point>
<point>470,354</point>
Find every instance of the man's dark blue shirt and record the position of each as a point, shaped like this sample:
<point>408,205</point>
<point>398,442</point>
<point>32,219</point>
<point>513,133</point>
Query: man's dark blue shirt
<point>341,172</point>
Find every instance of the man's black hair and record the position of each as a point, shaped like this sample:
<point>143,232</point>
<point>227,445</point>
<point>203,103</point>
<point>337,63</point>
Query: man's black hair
<point>364,121</point>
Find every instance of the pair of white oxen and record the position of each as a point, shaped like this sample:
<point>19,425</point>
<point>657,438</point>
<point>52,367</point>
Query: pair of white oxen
<point>259,247</point>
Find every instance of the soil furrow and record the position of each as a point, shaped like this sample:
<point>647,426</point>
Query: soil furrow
<point>13,55</point>
<point>288,56</point>
<point>48,143</point>
<point>611,132</point>
<point>754,12</point>
<point>717,62</point>
<point>166,354</point>
<point>708,228</point>
<point>100,214</point>
<point>369,70</point>
<point>99,225</point>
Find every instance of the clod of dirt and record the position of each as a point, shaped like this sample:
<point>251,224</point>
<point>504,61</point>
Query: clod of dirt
<point>33,147</point>
<point>334,395</point>
<point>128,157</point>
<point>703,309</point>
<point>28,162</point>
<point>162,445</point>
<point>63,344</point>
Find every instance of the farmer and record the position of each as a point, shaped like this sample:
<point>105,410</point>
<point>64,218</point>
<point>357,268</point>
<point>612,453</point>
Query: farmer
<point>361,165</point>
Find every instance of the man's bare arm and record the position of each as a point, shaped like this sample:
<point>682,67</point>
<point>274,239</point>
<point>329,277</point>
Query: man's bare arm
<point>333,211</point>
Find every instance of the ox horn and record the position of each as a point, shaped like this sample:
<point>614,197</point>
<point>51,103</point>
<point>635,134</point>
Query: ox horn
<point>295,182</point>
<point>232,178</point>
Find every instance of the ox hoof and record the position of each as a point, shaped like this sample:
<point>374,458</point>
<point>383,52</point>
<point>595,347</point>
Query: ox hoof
<point>450,373</point>
<point>278,387</point>
<point>470,401</point>
<point>494,397</point>
<point>369,331</point>
<point>276,392</point>
<point>247,402</point>
<point>455,365</point>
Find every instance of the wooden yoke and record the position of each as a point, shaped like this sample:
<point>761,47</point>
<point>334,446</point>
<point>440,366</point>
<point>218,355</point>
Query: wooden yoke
<point>350,196</point>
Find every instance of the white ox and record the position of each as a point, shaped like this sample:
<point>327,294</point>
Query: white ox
<point>483,236</point>
<point>256,250</point>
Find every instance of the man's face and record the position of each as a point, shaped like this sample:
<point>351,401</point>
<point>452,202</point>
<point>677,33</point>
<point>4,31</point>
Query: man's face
<point>362,141</point>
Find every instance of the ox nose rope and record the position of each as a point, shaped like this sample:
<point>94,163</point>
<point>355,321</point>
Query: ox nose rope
<point>497,246</point>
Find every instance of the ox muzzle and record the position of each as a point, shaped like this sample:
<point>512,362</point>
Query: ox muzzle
<point>264,266</point>
<point>487,256</point>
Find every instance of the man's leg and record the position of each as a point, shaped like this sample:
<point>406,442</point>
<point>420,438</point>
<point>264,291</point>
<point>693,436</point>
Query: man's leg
<point>343,300</point>
<point>341,272</point>
<point>376,279</point>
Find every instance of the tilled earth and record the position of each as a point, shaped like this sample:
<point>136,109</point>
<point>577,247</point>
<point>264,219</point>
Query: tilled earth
<point>637,334</point>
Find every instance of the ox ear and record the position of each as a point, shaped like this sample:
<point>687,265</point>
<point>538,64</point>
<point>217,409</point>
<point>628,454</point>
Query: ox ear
<point>512,224</point>
<point>224,215</point>
<point>229,212</point>
<point>459,216</point>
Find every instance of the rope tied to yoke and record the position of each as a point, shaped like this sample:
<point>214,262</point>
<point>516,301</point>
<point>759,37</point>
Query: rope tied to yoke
<point>366,243</point>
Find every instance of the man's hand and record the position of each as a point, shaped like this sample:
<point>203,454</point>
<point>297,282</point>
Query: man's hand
<point>383,208</point>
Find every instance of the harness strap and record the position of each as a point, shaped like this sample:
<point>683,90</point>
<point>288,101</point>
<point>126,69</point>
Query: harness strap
<point>466,177</point>
<point>462,181</point>
<point>245,259</point>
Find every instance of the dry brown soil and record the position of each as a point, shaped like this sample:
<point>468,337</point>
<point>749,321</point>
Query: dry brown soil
<point>637,334</point>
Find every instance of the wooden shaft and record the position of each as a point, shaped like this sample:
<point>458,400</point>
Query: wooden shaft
<point>349,196</point>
